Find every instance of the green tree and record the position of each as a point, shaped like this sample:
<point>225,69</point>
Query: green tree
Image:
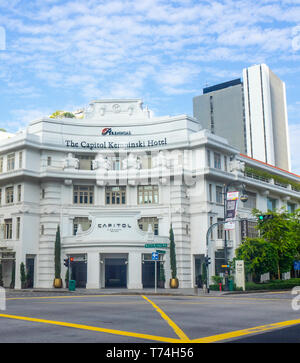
<point>68,115</point>
<point>282,231</point>
<point>62,114</point>
<point>162,272</point>
<point>57,254</point>
<point>259,256</point>
<point>172,254</point>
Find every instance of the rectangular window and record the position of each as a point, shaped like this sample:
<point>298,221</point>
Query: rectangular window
<point>146,161</point>
<point>225,163</point>
<point>0,196</point>
<point>146,221</point>
<point>18,227</point>
<point>220,229</point>
<point>8,228</point>
<point>208,158</point>
<point>210,192</point>
<point>115,195</point>
<point>251,202</point>
<point>147,194</point>
<point>10,162</point>
<point>42,229</point>
<point>43,194</point>
<point>219,195</point>
<point>19,193</point>
<point>83,194</point>
<point>9,195</point>
<point>271,204</point>
<point>20,160</point>
<point>85,161</point>
<point>49,161</point>
<point>217,161</point>
<point>211,221</point>
<point>291,207</point>
<point>116,163</point>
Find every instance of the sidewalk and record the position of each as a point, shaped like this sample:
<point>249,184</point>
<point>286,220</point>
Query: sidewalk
<point>116,291</point>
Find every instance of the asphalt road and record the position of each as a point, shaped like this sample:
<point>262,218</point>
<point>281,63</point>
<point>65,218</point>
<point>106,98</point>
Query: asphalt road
<point>52,318</point>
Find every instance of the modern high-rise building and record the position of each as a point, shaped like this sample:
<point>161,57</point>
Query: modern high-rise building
<point>251,114</point>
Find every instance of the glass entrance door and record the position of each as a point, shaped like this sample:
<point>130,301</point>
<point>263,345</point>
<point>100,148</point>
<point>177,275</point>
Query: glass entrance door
<point>115,272</point>
<point>79,273</point>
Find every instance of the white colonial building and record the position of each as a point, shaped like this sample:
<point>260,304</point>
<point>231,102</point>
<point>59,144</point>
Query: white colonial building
<point>114,181</point>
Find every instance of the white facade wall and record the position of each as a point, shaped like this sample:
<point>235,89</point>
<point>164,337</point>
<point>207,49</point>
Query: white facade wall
<point>47,195</point>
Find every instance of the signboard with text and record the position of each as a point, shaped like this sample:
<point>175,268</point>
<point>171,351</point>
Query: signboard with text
<point>231,207</point>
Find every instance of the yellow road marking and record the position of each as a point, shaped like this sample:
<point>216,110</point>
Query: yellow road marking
<point>175,327</point>
<point>239,333</point>
<point>93,328</point>
<point>183,337</point>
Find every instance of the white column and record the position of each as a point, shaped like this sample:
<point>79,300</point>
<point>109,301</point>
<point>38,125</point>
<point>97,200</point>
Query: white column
<point>134,270</point>
<point>93,270</point>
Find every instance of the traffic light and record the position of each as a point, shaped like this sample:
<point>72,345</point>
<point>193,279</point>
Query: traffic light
<point>265,217</point>
<point>66,262</point>
<point>71,259</point>
<point>207,261</point>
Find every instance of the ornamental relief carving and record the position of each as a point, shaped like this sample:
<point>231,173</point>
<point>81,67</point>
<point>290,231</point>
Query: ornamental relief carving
<point>70,162</point>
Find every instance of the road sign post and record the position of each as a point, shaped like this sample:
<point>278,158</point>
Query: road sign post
<point>155,258</point>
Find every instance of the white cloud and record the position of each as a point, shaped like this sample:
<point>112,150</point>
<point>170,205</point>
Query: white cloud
<point>98,48</point>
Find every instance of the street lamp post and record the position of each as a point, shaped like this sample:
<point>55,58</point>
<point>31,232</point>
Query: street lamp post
<point>243,198</point>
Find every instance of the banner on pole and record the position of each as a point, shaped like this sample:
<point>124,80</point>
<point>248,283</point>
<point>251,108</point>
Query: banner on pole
<point>231,204</point>
<point>231,207</point>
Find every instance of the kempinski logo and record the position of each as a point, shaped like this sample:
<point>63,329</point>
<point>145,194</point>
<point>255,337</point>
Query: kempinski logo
<point>109,131</point>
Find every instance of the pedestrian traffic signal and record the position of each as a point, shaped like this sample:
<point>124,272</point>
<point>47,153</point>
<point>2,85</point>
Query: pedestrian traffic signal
<point>265,217</point>
<point>207,261</point>
<point>66,262</point>
<point>71,259</point>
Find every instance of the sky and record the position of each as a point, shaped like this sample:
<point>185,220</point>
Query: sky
<point>61,55</point>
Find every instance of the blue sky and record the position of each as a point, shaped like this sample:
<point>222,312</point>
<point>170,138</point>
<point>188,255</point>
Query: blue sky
<point>62,54</point>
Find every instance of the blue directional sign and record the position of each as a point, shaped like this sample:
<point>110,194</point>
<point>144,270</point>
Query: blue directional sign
<point>297,265</point>
<point>154,256</point>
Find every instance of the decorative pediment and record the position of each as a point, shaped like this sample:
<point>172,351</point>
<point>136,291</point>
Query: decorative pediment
<point>116,108</point>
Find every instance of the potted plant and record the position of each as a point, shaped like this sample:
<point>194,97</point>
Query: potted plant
<point>174,283</point>
<point>57,280</point>
<point>23,276</point>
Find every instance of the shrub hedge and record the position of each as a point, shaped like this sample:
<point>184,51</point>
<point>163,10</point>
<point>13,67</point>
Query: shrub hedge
<point>272,285</point>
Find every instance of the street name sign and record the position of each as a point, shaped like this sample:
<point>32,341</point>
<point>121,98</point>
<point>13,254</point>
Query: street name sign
<point>156,245</point>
